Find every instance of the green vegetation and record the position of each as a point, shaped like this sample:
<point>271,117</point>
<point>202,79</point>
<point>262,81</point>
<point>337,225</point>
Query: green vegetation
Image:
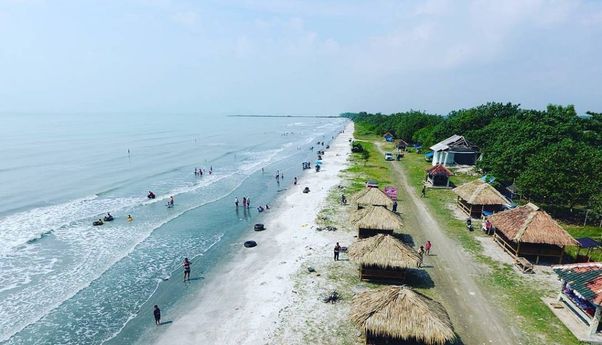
<point>553,156</point>
<point>508,287</point>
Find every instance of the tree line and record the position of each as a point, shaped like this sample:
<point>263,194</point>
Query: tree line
<point>553,156</point>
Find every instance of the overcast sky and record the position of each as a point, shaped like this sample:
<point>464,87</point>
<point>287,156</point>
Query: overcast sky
<point>297,57</point>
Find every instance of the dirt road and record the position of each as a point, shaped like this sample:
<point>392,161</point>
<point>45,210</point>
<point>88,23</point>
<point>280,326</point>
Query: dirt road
<point>475,318</point>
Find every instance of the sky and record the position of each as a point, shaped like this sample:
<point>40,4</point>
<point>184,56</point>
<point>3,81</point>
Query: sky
<point>297,57</point>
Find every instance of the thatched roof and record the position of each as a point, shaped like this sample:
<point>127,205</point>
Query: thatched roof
<point>384,251</point>
<point>373,197</point>
<point>399,312</point>
<point>478,192</point>
<point>439,170</point>
<point>531,224</point>
<point>379,218</point>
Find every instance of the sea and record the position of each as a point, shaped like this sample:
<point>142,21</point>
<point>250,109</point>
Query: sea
<point>65,281</point>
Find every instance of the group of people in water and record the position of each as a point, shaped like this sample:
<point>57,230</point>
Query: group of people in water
<point>201,171</point>
<point>109,218</point>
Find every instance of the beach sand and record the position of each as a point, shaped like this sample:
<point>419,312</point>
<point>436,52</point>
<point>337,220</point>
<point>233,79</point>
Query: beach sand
<point>242,302</point>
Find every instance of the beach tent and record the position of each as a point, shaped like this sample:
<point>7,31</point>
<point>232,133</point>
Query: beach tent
<point>373,197</point>
<point>400,315</point>
<point>383,258</point>
<point>477,196</point>
<point>530,232</point>
<point>376,220</point>
<point>389,137</point>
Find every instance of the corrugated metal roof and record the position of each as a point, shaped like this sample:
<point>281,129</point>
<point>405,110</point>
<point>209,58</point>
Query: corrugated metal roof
<point>584,278</point>
<point>443,145</point>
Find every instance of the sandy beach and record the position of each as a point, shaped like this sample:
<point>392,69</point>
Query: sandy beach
<point>242,301</point>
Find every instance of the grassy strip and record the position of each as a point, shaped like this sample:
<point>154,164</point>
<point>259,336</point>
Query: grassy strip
<point>508,287</point>
<point>578,231</point>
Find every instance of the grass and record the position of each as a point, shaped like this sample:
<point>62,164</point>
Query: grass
<point>578,231</point>
<point>506,286</point>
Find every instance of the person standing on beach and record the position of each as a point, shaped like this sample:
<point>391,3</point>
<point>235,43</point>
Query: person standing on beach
<point>337,249</point>
<point>186,265</point>
<point>395,206</point>
<point>157,314</point>
<point>420,255</point>
<point>295,181</point>
<point>248,202</point>
<point>427,247</point>
<point>236,201</point>
<point>244,202</point>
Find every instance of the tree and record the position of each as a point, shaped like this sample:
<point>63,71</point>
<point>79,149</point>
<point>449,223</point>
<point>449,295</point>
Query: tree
<point>565,173</point>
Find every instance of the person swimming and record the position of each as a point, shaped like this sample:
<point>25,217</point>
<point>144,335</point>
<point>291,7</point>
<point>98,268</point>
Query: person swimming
<point>151,195</point>
<point>108,217</point>
<point>170,203</point>
<point>130,218</point>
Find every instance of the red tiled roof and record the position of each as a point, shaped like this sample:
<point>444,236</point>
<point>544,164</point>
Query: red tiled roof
<point>439,170</point>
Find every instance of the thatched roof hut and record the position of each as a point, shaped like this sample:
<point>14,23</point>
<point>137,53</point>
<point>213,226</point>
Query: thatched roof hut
<point>477,196</point>
<point>397,312</point>
<point>373,197</point>
<point>529,230</point>
<point>383,257</point>
<point>377,220</point>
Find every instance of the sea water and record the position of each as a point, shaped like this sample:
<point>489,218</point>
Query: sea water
<point>64,281</point>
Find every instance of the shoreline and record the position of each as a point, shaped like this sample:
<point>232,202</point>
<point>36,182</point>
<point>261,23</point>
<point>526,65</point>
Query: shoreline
<point>241,301</point>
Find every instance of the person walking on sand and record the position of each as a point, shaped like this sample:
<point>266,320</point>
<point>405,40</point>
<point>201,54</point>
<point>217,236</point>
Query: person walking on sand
<point>395,206</point>
<point>337,249</point>
<point>236,201</point>
<point>420,255</point>
<point>423,192</point>
<point>186,265</point>
<point>295,181</point>
<point>427,247</point>
<point>157,314</point>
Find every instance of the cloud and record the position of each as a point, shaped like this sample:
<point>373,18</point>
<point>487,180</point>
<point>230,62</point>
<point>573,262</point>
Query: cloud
<point>188,19</point>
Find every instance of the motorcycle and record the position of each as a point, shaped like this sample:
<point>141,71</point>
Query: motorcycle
<point>469,224</point>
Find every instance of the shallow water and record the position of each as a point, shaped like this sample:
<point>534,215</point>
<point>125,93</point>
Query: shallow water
<point>63,281</point>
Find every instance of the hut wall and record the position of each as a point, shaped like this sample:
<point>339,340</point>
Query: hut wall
<point>465,158</point>
<point>373,339</point>
<point>365,233</point>
<point>439,180</point>
<point>477,210</point>
<point>529,250</point>
<point>375,273</point>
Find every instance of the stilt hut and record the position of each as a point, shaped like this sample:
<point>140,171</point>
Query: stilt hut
<point>401,145</point>
<point>478,196</point>
<point>438,176</point>
<point>400,315</point>
<point>529,231</point>
<point>377,220</point>
<point>373,197</point>
<point>383,258</point>
<point>582,292</point>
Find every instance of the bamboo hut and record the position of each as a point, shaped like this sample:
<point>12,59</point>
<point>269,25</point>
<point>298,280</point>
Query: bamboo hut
<point>377,220</point>
<point>477,197</point>
<point>383,258</point>
<point>373,197</point>
<point>530,232</point>
<point>399,315</point>
<point>438,176</point>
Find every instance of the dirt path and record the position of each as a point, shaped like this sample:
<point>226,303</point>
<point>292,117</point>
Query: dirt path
<point>453,271</point>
